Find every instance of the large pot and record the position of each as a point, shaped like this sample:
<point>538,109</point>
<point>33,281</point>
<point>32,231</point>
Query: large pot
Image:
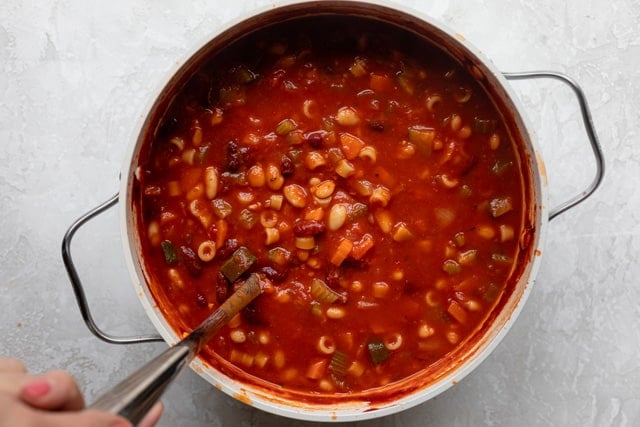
<point>537,216</point>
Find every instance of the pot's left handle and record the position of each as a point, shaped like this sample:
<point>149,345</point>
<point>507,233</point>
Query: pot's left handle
<point>78,289</point>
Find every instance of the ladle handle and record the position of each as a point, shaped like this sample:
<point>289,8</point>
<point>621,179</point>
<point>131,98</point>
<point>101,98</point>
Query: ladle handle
<point>134,397</point>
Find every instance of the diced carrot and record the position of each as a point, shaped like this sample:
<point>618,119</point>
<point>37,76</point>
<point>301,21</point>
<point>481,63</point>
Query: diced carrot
<point>346,340</point>
<point>361,247</point>
<point>411,309</point>
<point>342,252</point>
<point>221,232</point>
<point>351,145</point>
<point>457,312</point>
<point>378,326</point>
<point>383,219</point>
<point>467,285</point>
<point>314,214</point>
<point>317,369</point>
<point>381,83</point>
<point>385,177</point>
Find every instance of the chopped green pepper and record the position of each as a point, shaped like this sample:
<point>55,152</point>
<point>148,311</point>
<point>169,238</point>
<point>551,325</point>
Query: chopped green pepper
<point>169,251</point>
<point>377,351</point>
<point>244,75</point>
<point>240,261</point>
<point>483,126</point>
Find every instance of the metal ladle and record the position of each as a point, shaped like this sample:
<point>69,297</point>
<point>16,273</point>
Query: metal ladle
<point>134,396</point>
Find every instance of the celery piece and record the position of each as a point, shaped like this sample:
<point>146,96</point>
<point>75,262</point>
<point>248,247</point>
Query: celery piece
<point>240,262</point>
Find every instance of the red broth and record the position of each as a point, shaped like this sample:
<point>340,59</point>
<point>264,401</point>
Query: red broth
<point>366,178</point>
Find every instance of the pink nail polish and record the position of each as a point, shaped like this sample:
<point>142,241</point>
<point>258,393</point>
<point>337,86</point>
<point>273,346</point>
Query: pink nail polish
<point>37,389</point>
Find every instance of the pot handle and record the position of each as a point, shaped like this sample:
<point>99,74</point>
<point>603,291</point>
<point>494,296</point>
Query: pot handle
<point>78,289</point>
<point>588,126</point>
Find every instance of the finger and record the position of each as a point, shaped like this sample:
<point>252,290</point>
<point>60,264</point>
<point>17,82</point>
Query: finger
<point>153,416</point>
<point>55,390</point>
<point>10,364</point>
<point>88,418</point>
<point>16,413</point>
<point>12,382</point>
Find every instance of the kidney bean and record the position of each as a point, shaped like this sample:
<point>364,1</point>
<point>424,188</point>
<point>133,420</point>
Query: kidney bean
<point>315,139</point>
<point>273,274</point>
<point>376,125</point>
<point>333,277</point>
<point>308,228</point>
<point>234,158</point>
<point>191,261</point>
<point>222,288</point>
<point>201,300</point>
<point>287,168</point>
<point>228,247</point>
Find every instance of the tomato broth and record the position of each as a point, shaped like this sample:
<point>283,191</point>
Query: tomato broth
<point>365,177</point>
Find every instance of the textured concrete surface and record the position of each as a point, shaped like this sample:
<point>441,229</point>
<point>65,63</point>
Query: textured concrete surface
<point>75,74</point>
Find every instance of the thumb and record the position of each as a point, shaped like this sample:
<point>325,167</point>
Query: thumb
<point>88,418</point>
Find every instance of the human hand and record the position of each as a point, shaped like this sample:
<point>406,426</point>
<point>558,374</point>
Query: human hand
<point>52,399</point>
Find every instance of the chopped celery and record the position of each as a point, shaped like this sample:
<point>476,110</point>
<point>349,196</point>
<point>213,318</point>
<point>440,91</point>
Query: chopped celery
<point>338,364</point>
<point>500,206</point>
<point>222,208</point>
<point>279,255</point>
<point>316,310</point>
<point>501,166</point>
<point>504,259</point>
<point>451,267</point>
<point>491,292</point>
<point>459,239</point>
<point>422,137</point>
<point>247,219</point>
<point>286,126</point>
<point>322,292</point>
<point>240,262</point>
<point>405,83</point>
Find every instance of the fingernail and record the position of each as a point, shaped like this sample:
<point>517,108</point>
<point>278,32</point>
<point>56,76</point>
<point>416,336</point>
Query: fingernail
<point>37,389</point>
<point>121,424</point>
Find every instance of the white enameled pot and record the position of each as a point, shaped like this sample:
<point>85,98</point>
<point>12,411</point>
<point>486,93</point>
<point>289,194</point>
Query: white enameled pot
<point>415,390</point>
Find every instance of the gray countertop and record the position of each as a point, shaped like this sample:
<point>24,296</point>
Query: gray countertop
<point>74,76</point>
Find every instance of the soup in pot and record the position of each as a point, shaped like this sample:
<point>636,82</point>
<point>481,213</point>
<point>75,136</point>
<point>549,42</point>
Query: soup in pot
<point>367,178</point>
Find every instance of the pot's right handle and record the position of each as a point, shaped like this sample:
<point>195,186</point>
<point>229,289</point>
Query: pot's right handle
<point>588,125</point>
<point>78,289</point>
